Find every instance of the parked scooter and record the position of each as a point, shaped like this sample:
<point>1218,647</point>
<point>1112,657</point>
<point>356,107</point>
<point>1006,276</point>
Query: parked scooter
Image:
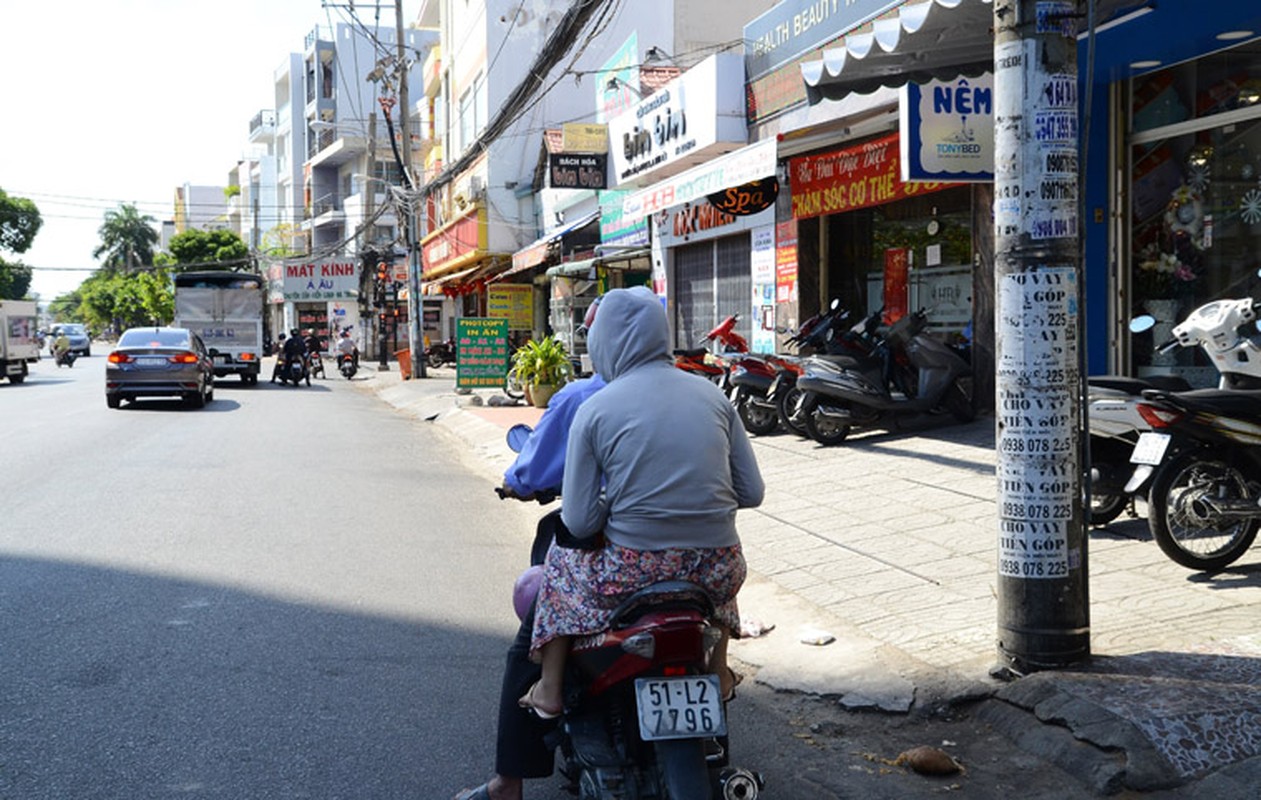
<point>643,718</point>
<point>1202,456</point>
<point>700,361</point>
<point>835,400</point>
<point>346,366</point>
<point>440,353</point>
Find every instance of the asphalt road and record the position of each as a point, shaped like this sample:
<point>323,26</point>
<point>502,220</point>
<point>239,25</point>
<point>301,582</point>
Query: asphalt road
<point>278,596</point>
<point>292,593</point>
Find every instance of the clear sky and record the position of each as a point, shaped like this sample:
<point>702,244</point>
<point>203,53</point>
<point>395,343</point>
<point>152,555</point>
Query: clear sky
<point>121,101</point>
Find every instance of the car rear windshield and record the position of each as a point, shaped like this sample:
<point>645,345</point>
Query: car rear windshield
<point>154,338</point>
<point>72,330</point>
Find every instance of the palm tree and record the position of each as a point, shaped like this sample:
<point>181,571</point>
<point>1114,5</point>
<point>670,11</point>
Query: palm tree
<point>127,239</point>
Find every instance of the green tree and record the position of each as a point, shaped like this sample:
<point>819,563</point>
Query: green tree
<point>123,299</point>
<point>127,239</point>
<point>20,221</point>
<point>208,248</point>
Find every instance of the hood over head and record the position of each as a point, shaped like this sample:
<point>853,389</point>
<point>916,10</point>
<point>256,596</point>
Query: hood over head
<point>630,330</point>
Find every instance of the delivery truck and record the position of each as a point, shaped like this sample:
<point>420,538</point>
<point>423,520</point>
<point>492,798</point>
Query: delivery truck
<point>226,310</point>
<point>19,338</point>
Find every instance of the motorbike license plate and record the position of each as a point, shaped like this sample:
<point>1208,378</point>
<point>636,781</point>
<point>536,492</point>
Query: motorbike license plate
<point>679,708</point>
<point>1150,448</point>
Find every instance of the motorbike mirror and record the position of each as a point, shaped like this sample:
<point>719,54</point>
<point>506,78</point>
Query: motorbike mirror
<point>1142,323</point>
<point>836,303</point>
<point>517,436</point>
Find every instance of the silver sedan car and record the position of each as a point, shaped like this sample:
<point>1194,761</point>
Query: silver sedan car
<point>159,362</point>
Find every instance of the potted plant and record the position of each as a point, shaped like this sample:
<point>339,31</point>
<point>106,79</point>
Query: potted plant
<point>542,367</point>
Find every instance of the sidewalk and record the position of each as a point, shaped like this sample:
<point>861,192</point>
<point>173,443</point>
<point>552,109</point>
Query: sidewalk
<point>887,542</point>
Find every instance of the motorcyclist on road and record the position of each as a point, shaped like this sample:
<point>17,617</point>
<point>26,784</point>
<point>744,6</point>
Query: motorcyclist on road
<point>346,348</point>
<point>61,346</point>
<point>295,349</point>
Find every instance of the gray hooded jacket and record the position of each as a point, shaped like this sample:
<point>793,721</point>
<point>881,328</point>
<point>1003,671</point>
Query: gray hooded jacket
<point>658,458</point>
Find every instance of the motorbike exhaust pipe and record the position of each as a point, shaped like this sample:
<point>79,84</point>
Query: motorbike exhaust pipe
<point>1208,509</point>
<point>838,414</point>
<point>738,783</point>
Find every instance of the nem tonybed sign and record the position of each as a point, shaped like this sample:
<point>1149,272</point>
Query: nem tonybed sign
<point>947,130</point>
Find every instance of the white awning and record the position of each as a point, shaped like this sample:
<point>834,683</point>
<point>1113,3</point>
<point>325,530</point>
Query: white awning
<point>924,40</point>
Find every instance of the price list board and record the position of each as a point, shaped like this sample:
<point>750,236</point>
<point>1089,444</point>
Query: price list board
<point>1037,423</point>
<point>481,353</point>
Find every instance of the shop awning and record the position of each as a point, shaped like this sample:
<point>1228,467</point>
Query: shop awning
<point>538,251</point>
<point>629,260</point>
<point>465,281</point>
<point>919,41</point>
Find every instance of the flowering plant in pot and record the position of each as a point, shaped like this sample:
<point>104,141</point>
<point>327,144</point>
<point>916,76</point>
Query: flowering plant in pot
<point>542,366</point>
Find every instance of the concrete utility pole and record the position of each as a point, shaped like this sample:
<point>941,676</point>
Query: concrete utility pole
<point>415,339</point>
<point>1043,609</point>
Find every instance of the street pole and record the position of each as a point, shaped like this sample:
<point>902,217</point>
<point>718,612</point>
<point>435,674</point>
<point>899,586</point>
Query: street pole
<point>415,340</point>
<point>1043,608</point>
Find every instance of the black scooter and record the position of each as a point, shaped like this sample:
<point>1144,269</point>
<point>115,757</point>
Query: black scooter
<point>346,366</point>
<point>835,400</point>
<point>66,359</point>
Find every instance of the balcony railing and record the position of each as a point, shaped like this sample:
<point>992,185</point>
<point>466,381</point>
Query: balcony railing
<point>326,204</point>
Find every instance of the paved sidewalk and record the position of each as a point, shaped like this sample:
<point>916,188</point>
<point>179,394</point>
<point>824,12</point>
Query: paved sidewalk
<point>887,543</point>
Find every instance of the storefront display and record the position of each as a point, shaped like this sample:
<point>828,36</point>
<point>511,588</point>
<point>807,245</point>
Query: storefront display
<point>1195,196</point>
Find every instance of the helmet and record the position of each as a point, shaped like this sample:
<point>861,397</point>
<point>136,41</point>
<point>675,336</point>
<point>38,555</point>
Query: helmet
<point>293,331</point>
<point>525,589</point>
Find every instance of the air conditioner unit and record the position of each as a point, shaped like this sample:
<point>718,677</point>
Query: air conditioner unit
<point>475,185</point>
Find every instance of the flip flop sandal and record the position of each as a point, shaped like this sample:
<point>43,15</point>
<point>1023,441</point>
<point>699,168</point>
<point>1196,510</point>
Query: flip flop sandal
<point>480,793</point>
<point>528,702</point>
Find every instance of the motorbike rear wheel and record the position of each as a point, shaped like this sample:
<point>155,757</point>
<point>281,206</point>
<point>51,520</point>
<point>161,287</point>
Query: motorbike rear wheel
<point>1104,507</point>
<point>958,400</point>
<point>683,770</point>
<point>1183,524</point>
<point>758,419</point>
<point>823,429</point>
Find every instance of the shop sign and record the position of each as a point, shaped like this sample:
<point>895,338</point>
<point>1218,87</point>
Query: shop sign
<point>513,302</point>
<point>746,199</point>
<point>461,239</point>
<point>947,130</point>
<point>584,137</point>
<point>321,280</point>
<point>786,261</point>
<point>617,89</point>
<point>686,118</point>
<point>695,222</point>
<point>856,177</point>
<point>481,352</point>
<point>615,228</point>
<point>578,171</point>
<point>762,264</point>
<point>794,27</point>
<point>741,166</point>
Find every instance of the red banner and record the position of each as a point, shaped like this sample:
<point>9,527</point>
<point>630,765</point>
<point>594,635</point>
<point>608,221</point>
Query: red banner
<point>897,261</point>
<point>856,177</point>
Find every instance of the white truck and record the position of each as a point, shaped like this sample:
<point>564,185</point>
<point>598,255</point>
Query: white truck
<point>226,310</point>
<point>19,340</point>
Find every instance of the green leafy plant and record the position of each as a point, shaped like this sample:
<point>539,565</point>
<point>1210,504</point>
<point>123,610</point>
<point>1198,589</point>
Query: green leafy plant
<point>543,362</point>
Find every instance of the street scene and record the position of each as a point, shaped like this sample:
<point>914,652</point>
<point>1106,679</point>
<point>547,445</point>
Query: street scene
<point>634,400</point>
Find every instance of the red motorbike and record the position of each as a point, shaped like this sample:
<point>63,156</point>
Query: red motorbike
<point>700,361</point>
<point>644,719</point>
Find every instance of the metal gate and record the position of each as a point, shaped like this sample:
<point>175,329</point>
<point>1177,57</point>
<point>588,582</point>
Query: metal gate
<point>711,281</point>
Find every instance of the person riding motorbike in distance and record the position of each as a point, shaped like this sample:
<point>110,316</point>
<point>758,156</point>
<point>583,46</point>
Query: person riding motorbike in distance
<point>61,346</point>
<point>660,486</point>
<point>346,348</point>
<point>295,350</point>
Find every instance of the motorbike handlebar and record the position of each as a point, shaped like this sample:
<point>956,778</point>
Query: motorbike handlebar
<point>542,497</point>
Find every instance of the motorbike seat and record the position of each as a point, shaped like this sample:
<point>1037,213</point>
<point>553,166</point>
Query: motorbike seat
<point>1237,403</point>
<point>662,596</point>
<point>693,352</point>
<point>1135,386</point>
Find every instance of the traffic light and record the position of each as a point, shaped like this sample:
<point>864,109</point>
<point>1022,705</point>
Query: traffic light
<point>382,272</point>
<point>383,318</point>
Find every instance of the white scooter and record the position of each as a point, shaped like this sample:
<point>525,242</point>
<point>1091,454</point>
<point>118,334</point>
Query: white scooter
<point>1226,331</point>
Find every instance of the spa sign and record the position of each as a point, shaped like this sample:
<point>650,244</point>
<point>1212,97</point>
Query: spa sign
<point>866,175</point>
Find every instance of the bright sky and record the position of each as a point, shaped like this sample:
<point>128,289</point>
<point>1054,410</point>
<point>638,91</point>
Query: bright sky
<point>121,101</point>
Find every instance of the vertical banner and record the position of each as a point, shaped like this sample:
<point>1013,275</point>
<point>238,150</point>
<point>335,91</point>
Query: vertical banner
<point>481,352</point>
<point>762,262</point>
<point>897,262</point>
<point>786,261</point>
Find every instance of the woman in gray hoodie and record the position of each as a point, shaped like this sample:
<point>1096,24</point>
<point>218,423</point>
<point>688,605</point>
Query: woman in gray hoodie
<point>657,462</point>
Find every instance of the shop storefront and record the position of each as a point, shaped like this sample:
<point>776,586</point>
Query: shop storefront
<point>319,297</point>
<point>456,267</point>
<point>572,241</point>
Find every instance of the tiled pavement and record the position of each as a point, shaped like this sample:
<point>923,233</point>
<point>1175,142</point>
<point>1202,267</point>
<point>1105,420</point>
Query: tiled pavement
<point>887,542</point>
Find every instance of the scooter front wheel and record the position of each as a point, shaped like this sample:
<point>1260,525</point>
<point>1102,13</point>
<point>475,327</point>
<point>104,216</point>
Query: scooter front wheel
<point>758,419</point>
<point>1186,493</point>
<point>820,421</point>
<point>786,407</point>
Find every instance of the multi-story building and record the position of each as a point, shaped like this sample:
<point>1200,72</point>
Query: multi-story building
<point>489,192</point>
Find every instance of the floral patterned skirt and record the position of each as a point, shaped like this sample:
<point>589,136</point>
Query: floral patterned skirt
<point>582,588</point>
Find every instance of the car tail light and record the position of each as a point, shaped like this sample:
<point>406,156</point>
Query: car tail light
<point>1158,417</point>
<point>185,358</point>
<point>247,356</point>
<point>119,358</point>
